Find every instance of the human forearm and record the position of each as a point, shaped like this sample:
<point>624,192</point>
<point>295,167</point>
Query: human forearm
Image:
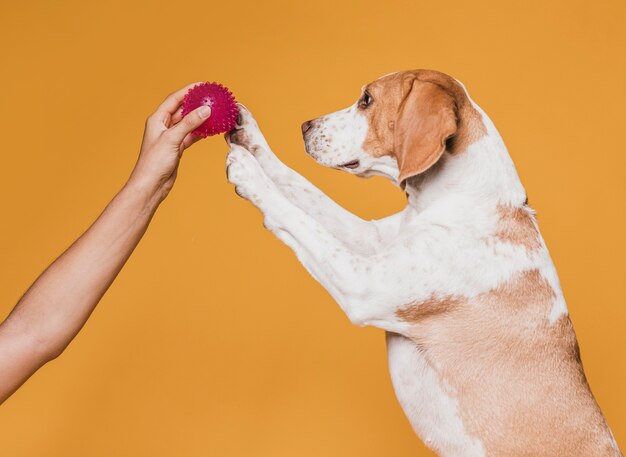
<point>57,305</point>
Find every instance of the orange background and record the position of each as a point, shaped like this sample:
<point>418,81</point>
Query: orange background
<point>214,340</point>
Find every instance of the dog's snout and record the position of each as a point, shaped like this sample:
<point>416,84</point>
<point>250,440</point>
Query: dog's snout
<point>306,126</point>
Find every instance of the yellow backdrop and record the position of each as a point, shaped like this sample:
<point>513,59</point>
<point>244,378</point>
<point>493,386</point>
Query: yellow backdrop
<point>214,340</point>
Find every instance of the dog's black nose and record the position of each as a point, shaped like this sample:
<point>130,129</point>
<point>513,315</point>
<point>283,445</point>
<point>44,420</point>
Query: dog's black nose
<point>306,126</point>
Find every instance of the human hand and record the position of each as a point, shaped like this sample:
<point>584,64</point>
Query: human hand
<point>167,134</point>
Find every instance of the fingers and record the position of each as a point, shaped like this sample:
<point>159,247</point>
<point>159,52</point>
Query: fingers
<point>190,139</point>
<point>171,103</point>
<point>176,117</point>
<point>190,122</point>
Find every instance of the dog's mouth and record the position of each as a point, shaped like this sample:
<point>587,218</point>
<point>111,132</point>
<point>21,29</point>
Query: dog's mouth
<point>352,164</point>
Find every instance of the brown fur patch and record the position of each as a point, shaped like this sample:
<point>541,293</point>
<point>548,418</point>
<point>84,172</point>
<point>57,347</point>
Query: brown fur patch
<point>431,306</point>
<point>518,379</point>
<point>390,91</point>
<point>516,225</point>
<point>382,115</point>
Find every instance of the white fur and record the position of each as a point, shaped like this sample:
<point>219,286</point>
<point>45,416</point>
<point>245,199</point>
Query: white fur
<point>337,138</point>
<point>440,245</point>
<point>435,414</point>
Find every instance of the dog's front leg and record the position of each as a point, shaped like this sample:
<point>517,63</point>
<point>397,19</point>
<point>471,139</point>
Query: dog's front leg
<point>301,193</point>
<point>349,276</point>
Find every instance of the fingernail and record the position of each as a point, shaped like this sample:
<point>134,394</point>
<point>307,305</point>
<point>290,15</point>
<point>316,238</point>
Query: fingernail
<point>205,111</point>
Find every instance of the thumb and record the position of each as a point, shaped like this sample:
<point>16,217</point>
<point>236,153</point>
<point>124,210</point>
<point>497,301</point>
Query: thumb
<point>189,123</point>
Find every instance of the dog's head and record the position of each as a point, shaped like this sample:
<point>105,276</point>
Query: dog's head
<point>399,127</point>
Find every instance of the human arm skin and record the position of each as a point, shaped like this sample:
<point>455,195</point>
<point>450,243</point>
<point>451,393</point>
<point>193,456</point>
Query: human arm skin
<point>57,305</point>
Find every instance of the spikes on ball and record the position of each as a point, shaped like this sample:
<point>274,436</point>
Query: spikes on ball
<point>224,109</point>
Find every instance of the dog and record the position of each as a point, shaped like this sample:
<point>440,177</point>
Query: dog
<point>482,353</point>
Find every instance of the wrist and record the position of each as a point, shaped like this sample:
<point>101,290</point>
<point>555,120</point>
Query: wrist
<point>147,193</point>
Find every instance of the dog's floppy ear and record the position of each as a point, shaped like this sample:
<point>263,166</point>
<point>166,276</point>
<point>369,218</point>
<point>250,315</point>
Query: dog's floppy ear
<point>426,119</point>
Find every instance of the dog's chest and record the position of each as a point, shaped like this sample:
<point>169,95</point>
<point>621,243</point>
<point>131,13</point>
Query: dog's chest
<point>432,413</point>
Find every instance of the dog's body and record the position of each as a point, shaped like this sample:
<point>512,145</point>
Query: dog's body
<point>482,353</point>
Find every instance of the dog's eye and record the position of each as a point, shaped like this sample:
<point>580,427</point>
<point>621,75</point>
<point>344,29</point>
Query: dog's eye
<point>366,100</point>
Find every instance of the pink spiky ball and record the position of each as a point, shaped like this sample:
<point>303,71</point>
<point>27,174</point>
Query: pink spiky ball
<point>224,109</point>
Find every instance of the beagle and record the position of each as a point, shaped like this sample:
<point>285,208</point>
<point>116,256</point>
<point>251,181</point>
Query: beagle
<point>482,353</point>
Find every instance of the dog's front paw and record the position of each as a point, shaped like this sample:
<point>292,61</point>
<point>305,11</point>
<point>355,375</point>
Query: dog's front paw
<point>249,179</point>
<point>247,133</point>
